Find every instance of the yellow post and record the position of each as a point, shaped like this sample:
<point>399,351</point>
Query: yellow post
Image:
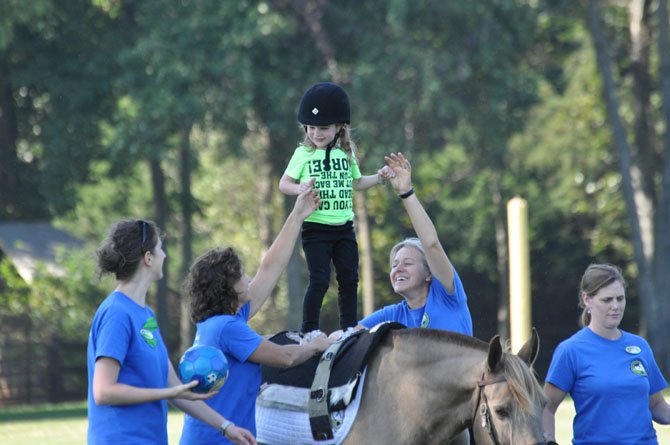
<point>519,272</point>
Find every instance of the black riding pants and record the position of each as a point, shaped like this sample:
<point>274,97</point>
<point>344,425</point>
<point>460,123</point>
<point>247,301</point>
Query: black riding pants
<point>322,244</point>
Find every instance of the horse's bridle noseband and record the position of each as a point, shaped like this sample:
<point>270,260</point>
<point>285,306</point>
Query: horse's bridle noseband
<point>484,410</point>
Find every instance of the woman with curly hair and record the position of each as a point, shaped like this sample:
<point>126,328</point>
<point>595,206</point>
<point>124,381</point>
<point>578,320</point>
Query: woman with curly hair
<point>222,299</point>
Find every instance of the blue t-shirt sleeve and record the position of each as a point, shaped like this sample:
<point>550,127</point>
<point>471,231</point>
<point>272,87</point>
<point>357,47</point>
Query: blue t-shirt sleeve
<point>561,371</point>
<point>384,314</point>
<point>113,336</point>
<point>238,339</point>
<point>244,311</point>
<point>459,290</point>
<point>454,300</point>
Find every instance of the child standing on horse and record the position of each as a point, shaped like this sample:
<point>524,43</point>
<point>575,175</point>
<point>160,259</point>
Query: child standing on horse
<point>328,154</point>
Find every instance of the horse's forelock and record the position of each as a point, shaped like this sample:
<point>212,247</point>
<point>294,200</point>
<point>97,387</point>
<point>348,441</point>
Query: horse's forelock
<point>522,383</point>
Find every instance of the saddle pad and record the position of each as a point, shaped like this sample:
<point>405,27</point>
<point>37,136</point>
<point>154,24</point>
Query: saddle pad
<point>350,361</point>
<point>293,398</point>
<point>287,398</point>
<point>277,426</point>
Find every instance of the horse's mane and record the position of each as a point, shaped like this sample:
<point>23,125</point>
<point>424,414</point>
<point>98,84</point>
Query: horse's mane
<point>436,334</point>
<point>520,377</point>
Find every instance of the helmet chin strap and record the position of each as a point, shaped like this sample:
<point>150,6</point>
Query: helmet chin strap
<point>331,144</point>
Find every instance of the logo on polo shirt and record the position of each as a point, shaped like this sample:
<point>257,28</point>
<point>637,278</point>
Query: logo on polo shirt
<point>147,332</point>
<point>638,368</point>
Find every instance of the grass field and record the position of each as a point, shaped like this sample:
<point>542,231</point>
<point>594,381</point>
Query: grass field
<point>65,424</point>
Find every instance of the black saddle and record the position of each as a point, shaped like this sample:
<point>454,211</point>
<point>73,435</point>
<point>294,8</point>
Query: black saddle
<point>351,359</point>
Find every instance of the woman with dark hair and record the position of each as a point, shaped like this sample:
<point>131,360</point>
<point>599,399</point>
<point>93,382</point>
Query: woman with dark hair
<point>611,374</point>
<point>130,376</point>
<point>223,298</point>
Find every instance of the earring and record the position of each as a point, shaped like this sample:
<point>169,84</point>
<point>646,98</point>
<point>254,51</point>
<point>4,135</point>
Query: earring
<point>588,310</point>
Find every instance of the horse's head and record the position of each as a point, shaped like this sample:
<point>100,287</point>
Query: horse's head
<point>509,400</point>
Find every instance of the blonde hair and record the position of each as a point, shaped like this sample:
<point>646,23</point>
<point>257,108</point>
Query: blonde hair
<point>595,278</point>
<point>409,242</point>
<point>346,143</point>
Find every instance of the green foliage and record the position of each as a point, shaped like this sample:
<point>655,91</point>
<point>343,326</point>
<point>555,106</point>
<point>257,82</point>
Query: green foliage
<point>64,303</point>
<point>15,14</point>
<point>488,99</point>
<point>14,291</point>
<point>581,179</point>
<point>62,92</point>
<point>227,208</point>
<point>60,302</point>
<point>106,199</point>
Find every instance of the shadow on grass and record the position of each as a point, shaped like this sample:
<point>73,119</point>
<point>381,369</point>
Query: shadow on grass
<point>43,411</point>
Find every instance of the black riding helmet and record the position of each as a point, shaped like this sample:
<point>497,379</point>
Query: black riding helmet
<point>324,104</point>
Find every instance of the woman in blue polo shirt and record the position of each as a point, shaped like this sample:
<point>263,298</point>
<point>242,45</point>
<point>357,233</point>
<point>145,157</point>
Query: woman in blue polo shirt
<point>421,272</point>
<point>611,374</point>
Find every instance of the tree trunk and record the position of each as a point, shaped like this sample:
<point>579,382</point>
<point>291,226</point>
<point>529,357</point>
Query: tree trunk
<point>311,13</point>
<point>296,277</point>
<point>186,328</point>
<point>365,247</point>
<point>8,133</point>
<point>643,150</point>
<point>264,185</point>
<point>639,205</point>
<point>502,258</point>
<point>662,252</point>
<point>160,218</point>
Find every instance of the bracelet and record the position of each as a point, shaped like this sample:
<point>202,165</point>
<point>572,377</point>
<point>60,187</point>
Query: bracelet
<point>407,194</point>
<point>225,426</point>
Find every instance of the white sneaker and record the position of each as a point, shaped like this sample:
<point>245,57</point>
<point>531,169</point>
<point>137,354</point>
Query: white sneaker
<point>295,336</point>
<point>348,332</point>
<point>309,336</point>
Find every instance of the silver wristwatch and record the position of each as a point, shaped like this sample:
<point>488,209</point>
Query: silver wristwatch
<point>225,426</point>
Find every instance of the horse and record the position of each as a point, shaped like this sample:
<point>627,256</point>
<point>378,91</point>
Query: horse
<point>427,386</point>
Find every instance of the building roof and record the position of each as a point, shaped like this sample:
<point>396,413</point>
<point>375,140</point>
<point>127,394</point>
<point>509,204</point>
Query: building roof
<point>29,243</point>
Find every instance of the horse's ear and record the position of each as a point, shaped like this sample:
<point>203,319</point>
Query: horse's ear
<point>528,352</point>
<point>495,353</point>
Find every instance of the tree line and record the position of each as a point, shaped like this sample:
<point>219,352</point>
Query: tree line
<point>184,112</point>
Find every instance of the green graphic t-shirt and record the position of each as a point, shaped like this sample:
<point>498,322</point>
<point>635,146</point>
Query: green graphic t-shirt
<point>335,185</point>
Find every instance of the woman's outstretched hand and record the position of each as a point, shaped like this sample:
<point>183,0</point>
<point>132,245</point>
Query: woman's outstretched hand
<point>308,200</point>
<point>402,179</point>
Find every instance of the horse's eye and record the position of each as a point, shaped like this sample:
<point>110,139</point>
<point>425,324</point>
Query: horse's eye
<point>502,413</point>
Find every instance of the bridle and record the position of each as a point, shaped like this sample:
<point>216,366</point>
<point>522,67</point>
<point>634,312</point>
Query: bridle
<point>484,410</point>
